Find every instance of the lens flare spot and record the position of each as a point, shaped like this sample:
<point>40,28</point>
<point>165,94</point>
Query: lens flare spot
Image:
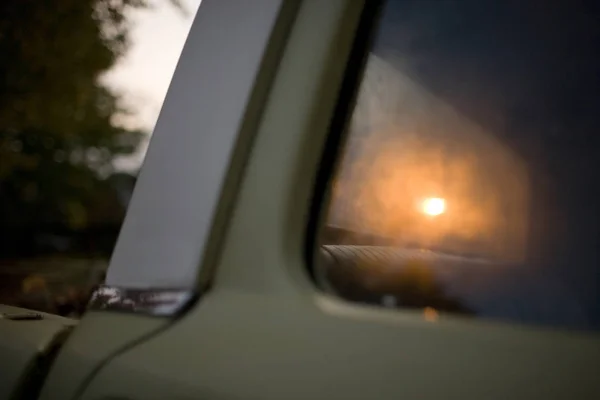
<point>433,206</point>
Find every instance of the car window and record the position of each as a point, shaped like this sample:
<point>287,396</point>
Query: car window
<point>466,184</point>
<point>81,84</point>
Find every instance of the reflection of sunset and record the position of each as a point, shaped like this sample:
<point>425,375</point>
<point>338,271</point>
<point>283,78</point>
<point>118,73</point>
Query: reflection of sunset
<point>433,206</point>
<point>485,188</point>
<point>406,162</point>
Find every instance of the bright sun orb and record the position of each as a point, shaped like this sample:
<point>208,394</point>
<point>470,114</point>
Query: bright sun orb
<point>433,206</point>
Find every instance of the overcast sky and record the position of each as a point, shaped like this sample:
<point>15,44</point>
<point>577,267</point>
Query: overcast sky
<point>145,72</point>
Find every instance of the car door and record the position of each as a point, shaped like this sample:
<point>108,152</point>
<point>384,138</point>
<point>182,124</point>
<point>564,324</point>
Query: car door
<point>350,206</point>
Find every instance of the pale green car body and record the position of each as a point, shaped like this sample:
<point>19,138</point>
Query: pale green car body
<point>222,208</point>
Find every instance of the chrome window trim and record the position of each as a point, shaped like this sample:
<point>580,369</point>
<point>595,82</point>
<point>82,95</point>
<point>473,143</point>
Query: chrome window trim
<point>155,302</point>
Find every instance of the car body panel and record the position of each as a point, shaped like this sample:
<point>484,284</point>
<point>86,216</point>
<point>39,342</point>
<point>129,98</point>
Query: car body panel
<point>262,329</point>
<point>27,343</point>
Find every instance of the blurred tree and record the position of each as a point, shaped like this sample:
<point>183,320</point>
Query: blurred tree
<point>58,134</point>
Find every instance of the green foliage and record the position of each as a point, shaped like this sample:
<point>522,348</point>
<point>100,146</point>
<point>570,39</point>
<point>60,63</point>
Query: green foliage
<point>58,137</point>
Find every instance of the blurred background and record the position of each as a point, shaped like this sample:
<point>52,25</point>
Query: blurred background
<point>81,86</point>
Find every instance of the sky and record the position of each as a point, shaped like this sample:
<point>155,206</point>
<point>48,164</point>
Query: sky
<point>144,74</point>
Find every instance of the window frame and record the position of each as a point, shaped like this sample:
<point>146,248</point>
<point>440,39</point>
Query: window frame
<point>337,134</point>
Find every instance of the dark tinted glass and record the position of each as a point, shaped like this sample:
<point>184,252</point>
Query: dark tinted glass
<point>469,179</point>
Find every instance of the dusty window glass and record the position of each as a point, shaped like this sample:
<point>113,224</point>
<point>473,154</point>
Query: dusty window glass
<point>81,84</point>
<point>468,182</point>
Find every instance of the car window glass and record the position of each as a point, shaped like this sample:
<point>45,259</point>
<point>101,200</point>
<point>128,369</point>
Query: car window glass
<point>467,183</point>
